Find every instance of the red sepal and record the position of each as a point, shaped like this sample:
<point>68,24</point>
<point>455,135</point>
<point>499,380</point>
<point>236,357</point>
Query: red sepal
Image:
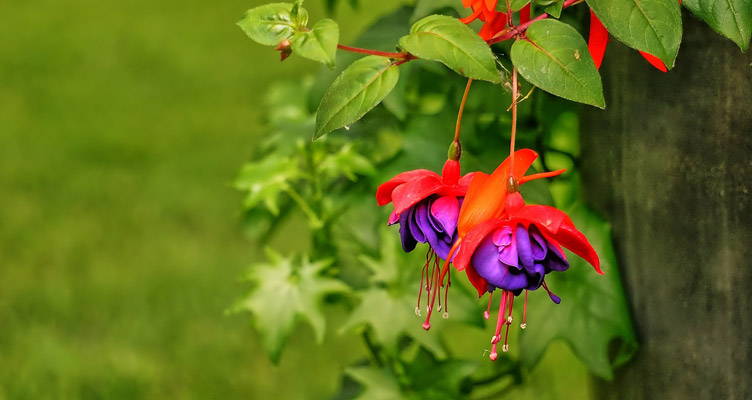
<point>654,61</point>
<point>525,14</point>
<point>480,284</point>
<point>598,40</point>
<point>384,191</point>
<point>409,193</point>
<point>569,237</point>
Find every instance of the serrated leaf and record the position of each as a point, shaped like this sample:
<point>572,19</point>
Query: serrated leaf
<point>388,307</point>
<point>285,290</point>
<point>271,23</point>
<point>730,18</point>
<point>427,378</point>
<point>652,26</point>
<point>593,310</point>
<point>454,44</point>
<point>319,43</point>
<point>346,162</point>
<point>358,89</point>
<point>378,383</point>
<point>265,180</point>
<point>555,58</point>
<point>392,315</point>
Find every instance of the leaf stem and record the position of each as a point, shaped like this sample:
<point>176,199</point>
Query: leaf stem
<point>458,126</point>
<point>375,353</point>
<point>514,125</point>
<point>401,56</point>
<point>316,222</point>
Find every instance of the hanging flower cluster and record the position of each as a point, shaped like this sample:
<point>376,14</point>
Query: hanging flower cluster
<point>500,242</point>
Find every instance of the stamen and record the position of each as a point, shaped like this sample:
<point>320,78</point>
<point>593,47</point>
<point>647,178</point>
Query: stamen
<point>523,325</point>
<point>501,317</point>
<point>487,313</point>
<point>556,299</point>
<point>437,284</point>
<point>446,295</point>
<point>505,348</point>
<point>422,277</point>
<point>499,321</point>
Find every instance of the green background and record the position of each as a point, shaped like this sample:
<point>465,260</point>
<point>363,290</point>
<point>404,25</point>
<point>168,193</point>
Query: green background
<point>122,125</point>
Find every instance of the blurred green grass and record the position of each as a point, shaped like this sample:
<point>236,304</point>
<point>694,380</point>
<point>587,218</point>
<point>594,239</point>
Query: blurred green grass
<point>121,125</point>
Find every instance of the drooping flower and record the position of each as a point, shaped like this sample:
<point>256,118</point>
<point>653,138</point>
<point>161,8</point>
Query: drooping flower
<point>427,206</point>
<point>507,245</point>
<point>515,253</point>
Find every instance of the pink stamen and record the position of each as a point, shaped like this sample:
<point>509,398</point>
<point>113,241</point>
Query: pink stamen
<point>487,313</point>
<point>499,322</point>
<point>523,325</point>
<point>508,322</point>
<point>437,284</point>
<point>423,272</point>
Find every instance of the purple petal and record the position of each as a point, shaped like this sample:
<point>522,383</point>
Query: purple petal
<point>537,244</point>
<point>535,277</point>
<point>408,241</point>
<point>524,250</point>
<point>486,262</point>
<point>414,223</point>
<point>446,210</point>
<point>504,240</point>
<point>556,260</point>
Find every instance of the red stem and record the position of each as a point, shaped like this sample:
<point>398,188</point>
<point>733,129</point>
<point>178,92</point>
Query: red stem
<point>375,52</point>
<point>508,34</point>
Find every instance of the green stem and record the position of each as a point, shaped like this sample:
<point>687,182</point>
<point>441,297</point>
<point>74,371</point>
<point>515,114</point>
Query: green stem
<point>375,353</point>
<point>315,221</point>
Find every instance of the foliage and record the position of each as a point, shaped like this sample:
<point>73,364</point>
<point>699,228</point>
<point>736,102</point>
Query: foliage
<point>331,180</point>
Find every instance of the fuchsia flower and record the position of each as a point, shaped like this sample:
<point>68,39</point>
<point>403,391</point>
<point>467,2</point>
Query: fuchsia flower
<point>507,245</point>
<point>426,205</point>
<point>481,224</point>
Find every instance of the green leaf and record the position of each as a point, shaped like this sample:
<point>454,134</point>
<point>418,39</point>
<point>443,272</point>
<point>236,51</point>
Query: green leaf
<point>346,162</point>
<point>319,43</point>
<point>265,180</point>
<point>378,383</point>
<point>593,310</point>
<point>652,26</point>
<point>271,23</point>
<point>426,7</point>
<point>425,378</point>
<point>358,89</point>
<point>518,4</point>
<point>555,58</point>
<point>388,307</point>
<point>554,8</point>
<point>730,18</point>
<point>284,291</point>
<point>454,44</point>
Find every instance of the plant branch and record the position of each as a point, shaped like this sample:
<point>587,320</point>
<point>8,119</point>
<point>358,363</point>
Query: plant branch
<point>507,34</point>
<point>458,126</point>
<point>401,56</point>
<point>316,222</point>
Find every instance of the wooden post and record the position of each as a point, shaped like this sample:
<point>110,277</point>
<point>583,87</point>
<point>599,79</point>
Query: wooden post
<point>669,163</point>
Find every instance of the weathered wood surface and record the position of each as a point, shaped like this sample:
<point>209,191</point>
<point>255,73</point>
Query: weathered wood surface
<point>670,164</point>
